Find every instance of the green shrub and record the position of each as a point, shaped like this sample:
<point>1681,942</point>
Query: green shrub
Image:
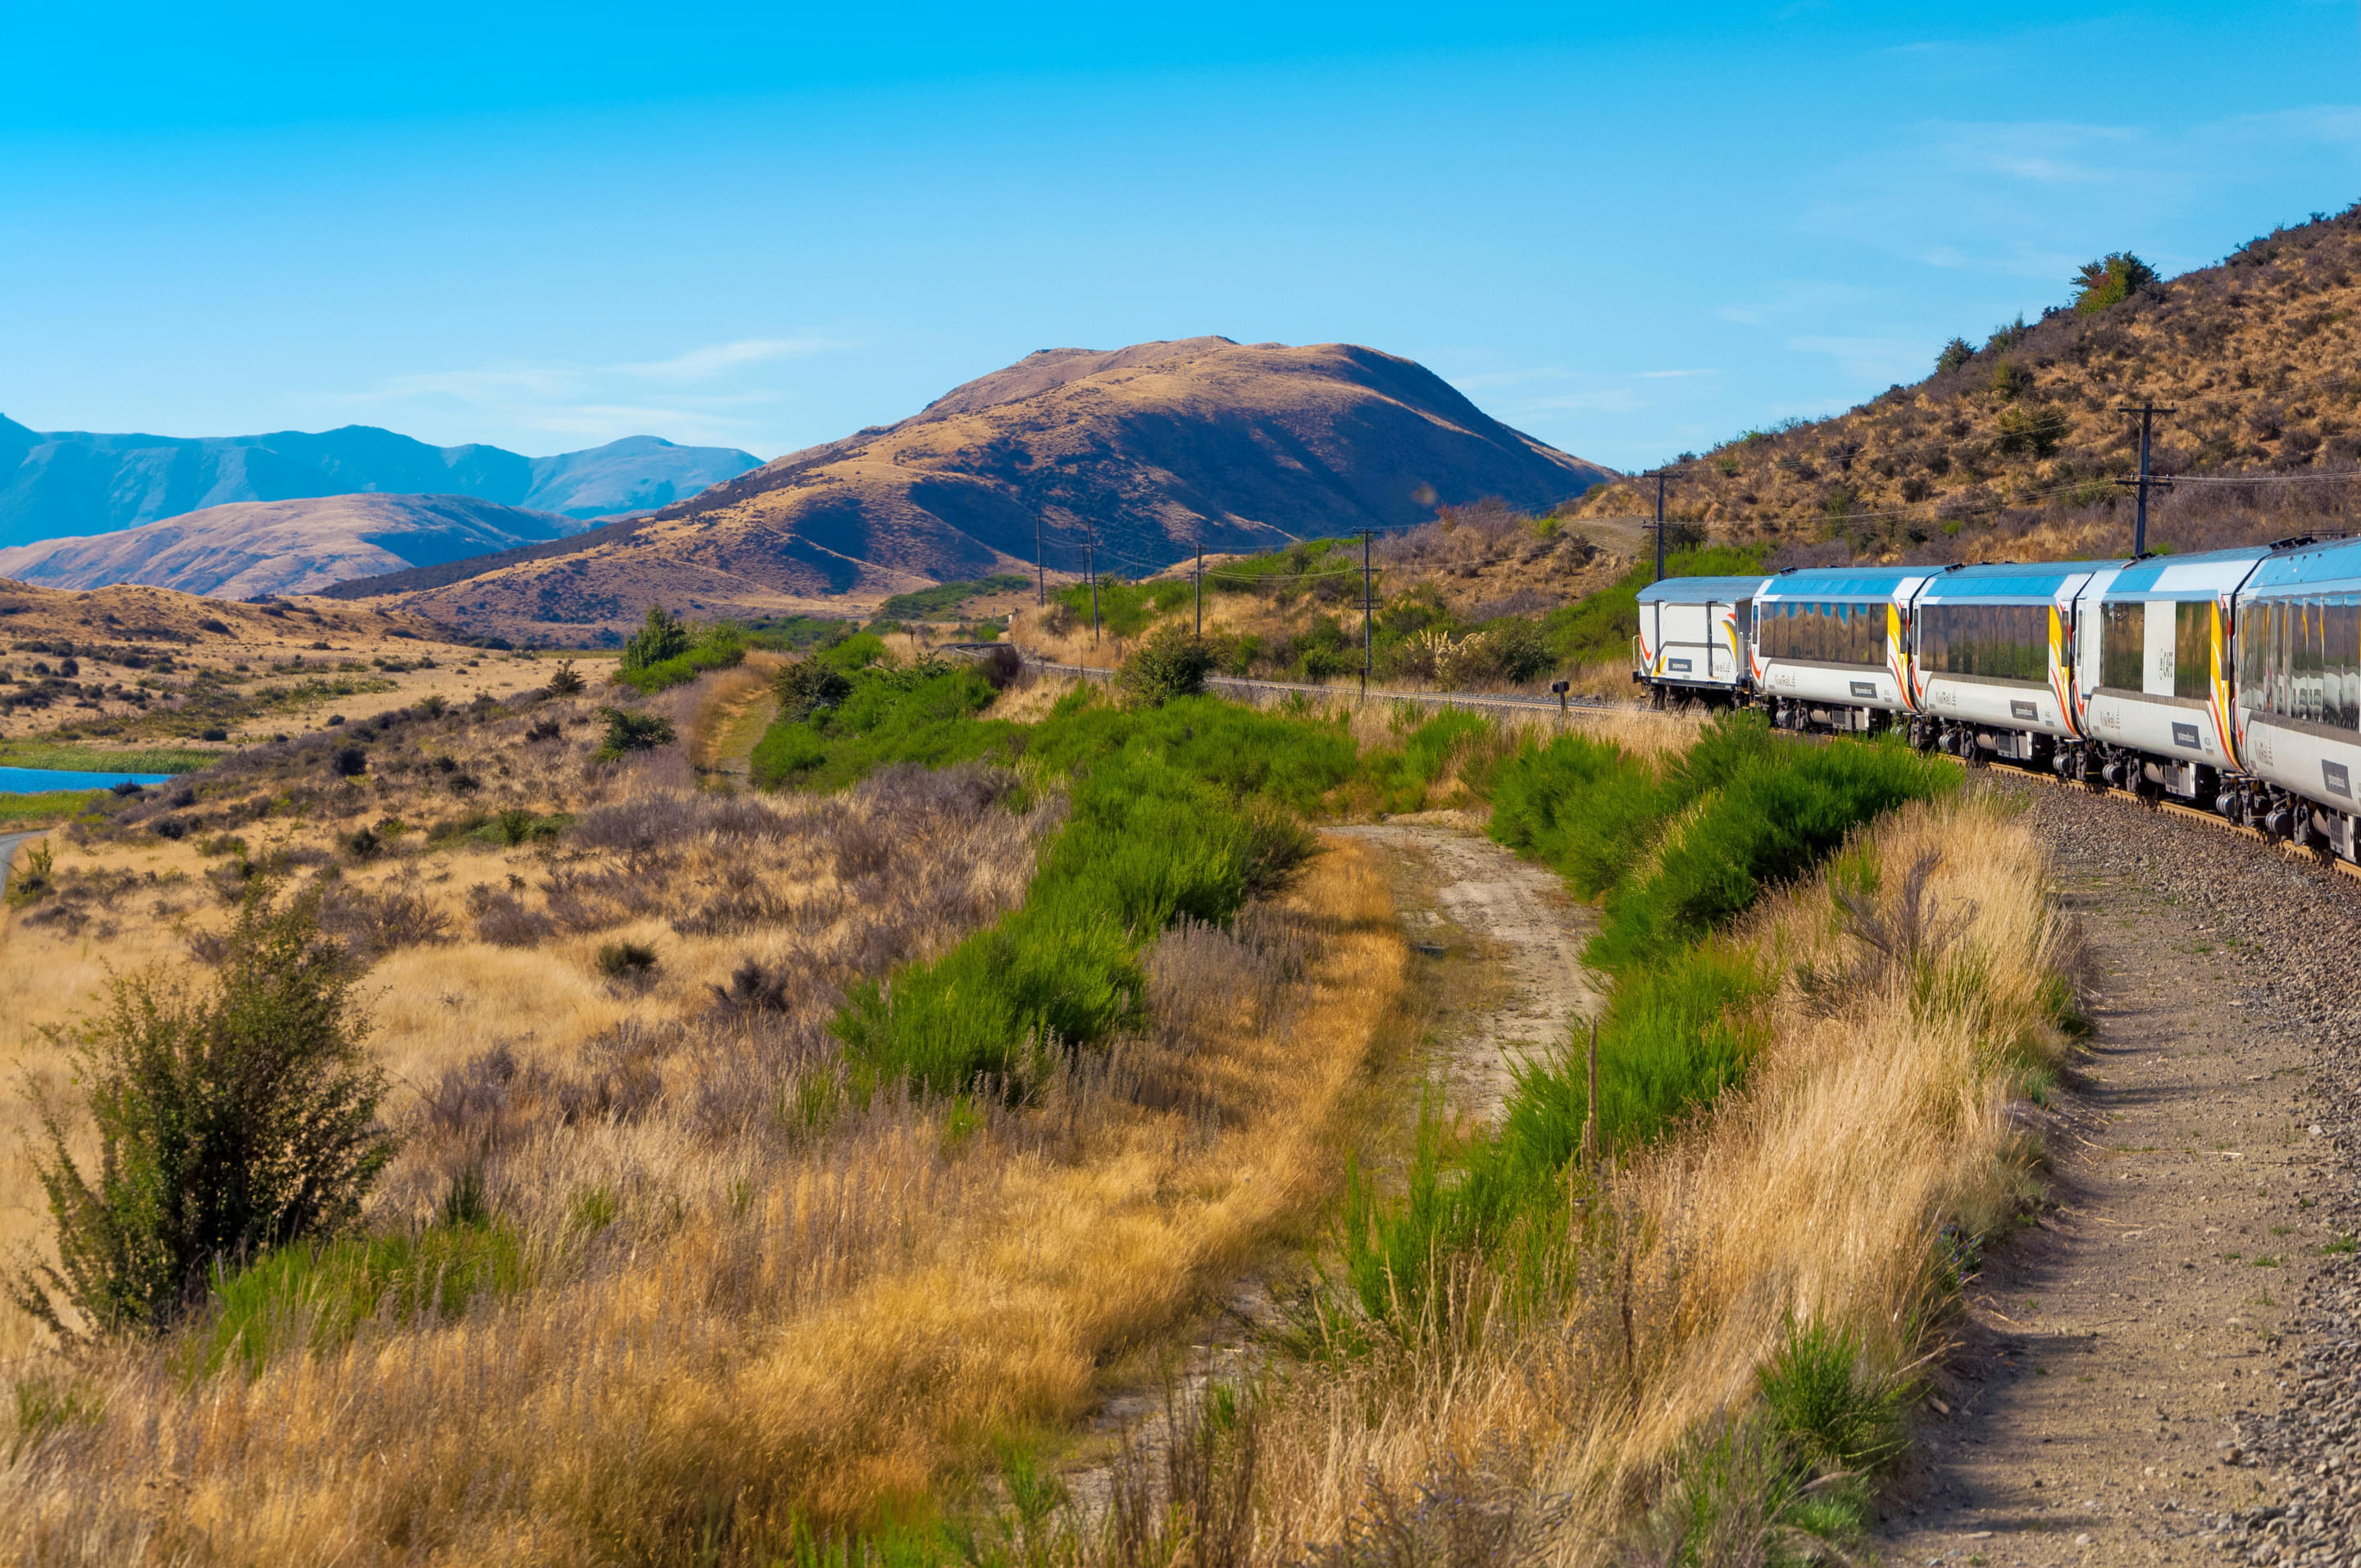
<point>1832,1414</point>
<point>714,648</point>
<point>630,732</point>
<point>564,680</point>
<point>666,636</point>
<point>1956,353</point>
<point>231,1123</point>
<point>808,683</point>
<point>2110,281</point>
<point>516,826</point>
<point>923,714</point>
<point>1170,664</point>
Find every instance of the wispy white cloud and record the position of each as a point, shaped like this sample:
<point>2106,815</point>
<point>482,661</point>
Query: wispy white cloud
<point>701,363</point>
<point>713,394</point>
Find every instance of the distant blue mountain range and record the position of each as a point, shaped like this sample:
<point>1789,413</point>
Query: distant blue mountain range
<point>55,484</point>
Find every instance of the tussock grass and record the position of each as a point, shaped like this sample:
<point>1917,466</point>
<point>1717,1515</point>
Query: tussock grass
<point>1626,1372</point>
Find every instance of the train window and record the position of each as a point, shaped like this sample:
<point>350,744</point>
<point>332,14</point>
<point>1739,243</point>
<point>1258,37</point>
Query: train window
<point>2123,645</point>
<point>2192,648</point>
<point>1833,631</point>
<point>2346,660</point>
<point>2249,632</point>
<point>2307,683</point>
<point>2007,640</point>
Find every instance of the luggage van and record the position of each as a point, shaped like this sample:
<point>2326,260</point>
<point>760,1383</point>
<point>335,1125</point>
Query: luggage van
<point>1692,637</point>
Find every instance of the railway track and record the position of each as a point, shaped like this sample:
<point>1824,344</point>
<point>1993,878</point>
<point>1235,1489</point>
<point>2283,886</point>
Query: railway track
<point>1586,706</point>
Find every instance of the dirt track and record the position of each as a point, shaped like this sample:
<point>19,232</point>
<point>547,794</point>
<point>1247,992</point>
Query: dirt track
<point>1462,896</point>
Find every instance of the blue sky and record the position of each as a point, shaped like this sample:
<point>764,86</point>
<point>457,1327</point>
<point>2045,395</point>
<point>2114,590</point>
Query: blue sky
<point>1629,230</point>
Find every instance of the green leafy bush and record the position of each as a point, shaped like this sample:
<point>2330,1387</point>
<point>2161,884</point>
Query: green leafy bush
<point>686,652</point>
<point>230,1122</point>
<point>1170,664</point>
<point>1956,353</point>
<point>2110,281</point>
<point>807,685</point>
<point>923,714</point>
<point>929,604</point>
<point>666,636</point>
<point>1175,812</point>
<point>630,732</point>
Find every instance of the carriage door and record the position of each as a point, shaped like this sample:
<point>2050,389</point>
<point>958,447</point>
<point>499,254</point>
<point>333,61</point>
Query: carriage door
<point>1720,663</point>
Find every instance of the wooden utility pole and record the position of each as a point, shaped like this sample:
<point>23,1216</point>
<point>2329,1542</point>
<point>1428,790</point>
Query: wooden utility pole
<point>1591,1104</point>
<point>2148,412</point>
<point>1365,641</point>
<point>1660,475</point>
<point>1090,567</point>
<point>1040,573</point>
<point>1201,588</point>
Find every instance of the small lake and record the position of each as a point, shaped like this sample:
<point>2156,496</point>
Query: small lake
<point>39,781</point>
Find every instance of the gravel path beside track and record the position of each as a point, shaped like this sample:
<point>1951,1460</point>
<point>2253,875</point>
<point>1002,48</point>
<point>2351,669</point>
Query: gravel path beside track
<point>2162,1366</point>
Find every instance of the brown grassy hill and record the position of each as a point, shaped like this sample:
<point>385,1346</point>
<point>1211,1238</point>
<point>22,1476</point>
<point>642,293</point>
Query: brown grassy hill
<point>1156,448</point>
<point>2013,447</point>
<point>252,548</point>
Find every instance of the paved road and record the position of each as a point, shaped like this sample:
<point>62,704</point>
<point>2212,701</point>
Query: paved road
<point>8,842</point>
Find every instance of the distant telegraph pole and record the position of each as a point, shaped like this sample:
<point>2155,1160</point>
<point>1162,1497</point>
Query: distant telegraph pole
<point>1365,612</point>
<point>1660,475</point>
<point>1090,567</point>
<point>2148,412</point>
<point>1201,588</point>
<point>1040,573</point>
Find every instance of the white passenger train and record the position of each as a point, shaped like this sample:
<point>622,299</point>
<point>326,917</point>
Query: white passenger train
<point>2231,679</point>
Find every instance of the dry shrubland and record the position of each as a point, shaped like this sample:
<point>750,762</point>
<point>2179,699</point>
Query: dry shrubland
<point>656,1276</point>
<point>2011,449</point>
<point>696,1289</point>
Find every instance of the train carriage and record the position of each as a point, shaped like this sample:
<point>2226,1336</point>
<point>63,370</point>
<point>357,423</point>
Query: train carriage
<point>1831,646</point>
<point>1992,663</point>
<point>2297,722</point>
<point>1692,637</point>
<point>2153,671</point>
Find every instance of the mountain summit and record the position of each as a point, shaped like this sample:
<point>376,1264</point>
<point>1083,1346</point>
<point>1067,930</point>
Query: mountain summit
<point>54,484</point>
<point>1136,457</point>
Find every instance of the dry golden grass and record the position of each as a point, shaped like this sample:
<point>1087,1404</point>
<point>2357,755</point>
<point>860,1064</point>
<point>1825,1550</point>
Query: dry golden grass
<point>1822,1188</point>
<point>751,1299</point>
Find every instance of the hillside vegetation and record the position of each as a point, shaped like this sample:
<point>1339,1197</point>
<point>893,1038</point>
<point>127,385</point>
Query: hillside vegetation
<point>1485,598</point>
<point>2012,445</point>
